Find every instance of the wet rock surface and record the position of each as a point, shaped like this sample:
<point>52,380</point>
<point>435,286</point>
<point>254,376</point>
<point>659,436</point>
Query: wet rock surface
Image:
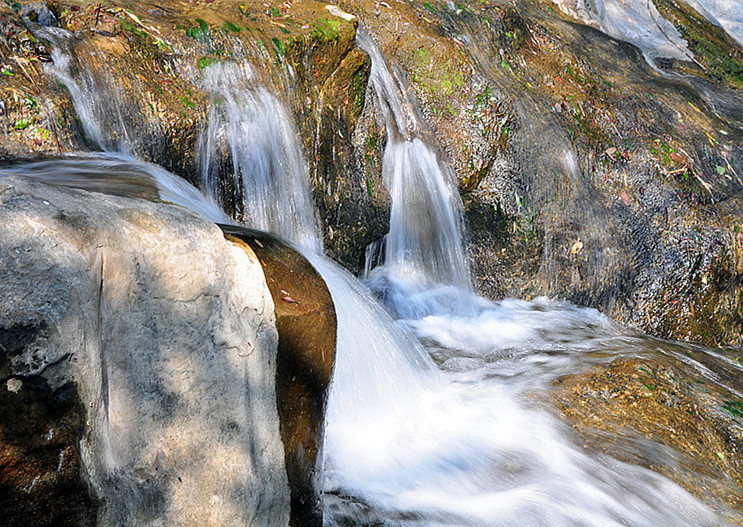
<point>586,174</point>
<point>661,412</point>
<point>306,323</point>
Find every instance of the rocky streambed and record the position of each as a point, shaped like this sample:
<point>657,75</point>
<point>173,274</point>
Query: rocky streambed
<point>589,170</point>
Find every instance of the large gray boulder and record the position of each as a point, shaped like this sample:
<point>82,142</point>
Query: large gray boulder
<point>147,343</point>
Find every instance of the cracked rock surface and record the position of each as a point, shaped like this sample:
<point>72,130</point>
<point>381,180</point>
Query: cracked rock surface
<point>137,346</point>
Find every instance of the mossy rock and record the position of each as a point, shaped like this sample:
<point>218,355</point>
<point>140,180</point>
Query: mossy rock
<point>641,409</point>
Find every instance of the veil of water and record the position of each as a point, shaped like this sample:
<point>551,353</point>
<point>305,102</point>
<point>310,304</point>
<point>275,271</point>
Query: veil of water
<point>725,13</point>
<point>271,180</point>
<point>120,175</point>
<point>640,23</point>
<point>436,419</point>
<point>101,118</point>
<point>423,246</point>
<point>636,21</point>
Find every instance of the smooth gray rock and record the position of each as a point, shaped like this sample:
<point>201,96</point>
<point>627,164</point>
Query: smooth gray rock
<point>169,332</point>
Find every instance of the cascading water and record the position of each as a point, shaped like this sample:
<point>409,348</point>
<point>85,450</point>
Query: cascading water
<point>634,21</point>
<point>408,444</point>
<point>270,168</point>
<point>725,13</point>
<point>640,23</point>
<point>468,446</point>
<point>423,246</point>
<point>467,442</point>
<point>270,176</point>
<point>100,116</point>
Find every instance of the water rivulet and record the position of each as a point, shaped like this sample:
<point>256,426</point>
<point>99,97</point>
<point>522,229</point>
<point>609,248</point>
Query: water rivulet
<point>424,244</point>
<point>471,445</point>
<point>442,417</point>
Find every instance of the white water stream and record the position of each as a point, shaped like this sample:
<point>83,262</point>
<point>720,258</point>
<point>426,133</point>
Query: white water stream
<point>424,245</point>
<point>454,433</point>
<point>468,445</point>
<point>270,176</point>
<point>100,115</point>
<point>640,23</point>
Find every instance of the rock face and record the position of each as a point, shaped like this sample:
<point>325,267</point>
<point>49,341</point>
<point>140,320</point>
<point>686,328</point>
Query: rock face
<point>307,324</point>
<point>663,413</point>
<point>586,174</point>
<point>139,348</point>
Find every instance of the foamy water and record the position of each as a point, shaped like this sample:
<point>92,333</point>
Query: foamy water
<point>437,418</point>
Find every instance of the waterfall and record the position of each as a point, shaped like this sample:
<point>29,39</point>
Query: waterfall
<point>640,23</point>
<point>635,21</point>
<point>248,125</point>
<point>100,114</point>
<point>466,446</point>
<point>273,176</point>
<point>725,13</point>
<point>450,433</point>
<point>424,245</point>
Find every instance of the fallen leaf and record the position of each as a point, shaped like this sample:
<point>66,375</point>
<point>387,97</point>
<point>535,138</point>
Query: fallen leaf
<point>625,198</point>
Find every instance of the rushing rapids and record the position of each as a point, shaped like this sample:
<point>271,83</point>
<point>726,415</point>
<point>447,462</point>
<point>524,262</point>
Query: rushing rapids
<point>439,417</point>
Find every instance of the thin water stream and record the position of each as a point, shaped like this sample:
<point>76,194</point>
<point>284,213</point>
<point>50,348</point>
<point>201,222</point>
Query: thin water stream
<point>424,245</point>
<point>438,418</point>
<point>250,127</point>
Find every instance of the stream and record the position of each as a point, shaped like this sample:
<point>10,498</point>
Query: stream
<point>439,412</point>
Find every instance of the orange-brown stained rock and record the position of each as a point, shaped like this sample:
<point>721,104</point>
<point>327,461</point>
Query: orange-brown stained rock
<point>40,432</point>
<point>635,408</point>
<point>306,322</point>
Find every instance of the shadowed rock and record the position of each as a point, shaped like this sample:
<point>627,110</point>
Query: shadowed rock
<point>306,322</point>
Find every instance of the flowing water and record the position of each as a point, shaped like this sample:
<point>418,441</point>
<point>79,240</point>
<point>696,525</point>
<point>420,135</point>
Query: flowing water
<point>469,444</point>
<point>635,21</point>
<point>248,125</point>
<point>424,245</point>
<point>440,417</point>
<point>102,119</point>
<point>640,23</point>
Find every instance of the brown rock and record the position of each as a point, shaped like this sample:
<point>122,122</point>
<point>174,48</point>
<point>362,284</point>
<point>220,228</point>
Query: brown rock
<point>663,414</point>
<point>306,322</point>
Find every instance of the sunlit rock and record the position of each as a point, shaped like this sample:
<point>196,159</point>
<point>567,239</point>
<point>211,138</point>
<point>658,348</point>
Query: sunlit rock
<point>147,339</point>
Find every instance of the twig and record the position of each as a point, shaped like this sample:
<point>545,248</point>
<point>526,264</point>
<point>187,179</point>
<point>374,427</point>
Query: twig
<point>677,171</point>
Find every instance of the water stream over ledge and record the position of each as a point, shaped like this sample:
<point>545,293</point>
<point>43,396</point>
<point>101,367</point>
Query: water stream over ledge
<point>459,433</point>
<point>443,416</point>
